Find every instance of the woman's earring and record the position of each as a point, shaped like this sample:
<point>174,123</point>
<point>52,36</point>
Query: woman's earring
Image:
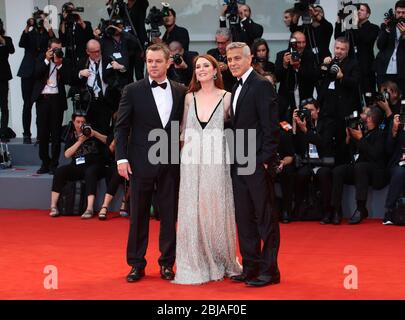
<point>215,77</point>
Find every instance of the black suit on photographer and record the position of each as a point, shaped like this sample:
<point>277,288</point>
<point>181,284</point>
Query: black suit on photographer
<point>174,32</point>
<point>93,89</point>
<point>362,38</point>
<point>297,73</point>
<point>116,46</point>
<point>314,141</point>
<point>339,92</point>
<point>181,68</point>
<point>367,166</point>
<point>34,40</point>
<point>317,30</point>
<point>6,48</point>
<point>390,61</point>
<point>240,23</point>
<point>74,32</point>
<point>223,37</point>
<point>137,13</point>
<point>52,73</point>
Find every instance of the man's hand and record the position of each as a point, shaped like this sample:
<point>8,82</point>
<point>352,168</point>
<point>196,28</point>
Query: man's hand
<point>223,10</point>
<point>124,170</point>
<point>49,55</point>
<point>401,27</point>
<point>327,60</point>
<point>395,125</point>
<point>115,27</point>
<point>116,66</point>
<point>85,73</point>
<point>356,133</point>
<point>82,138</point>
<point>286,59</point>
<point>223,66</point>
<point>385,106</point>
<point>97,33</point>
<point>81,22</point>
<point>339,74</point>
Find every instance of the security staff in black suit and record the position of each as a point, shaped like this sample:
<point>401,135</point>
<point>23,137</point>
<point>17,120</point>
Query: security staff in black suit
<point>390,60</point>
<point>254,108</point>
<point>137,13</point>
<point>244,29</point>
<point>367,166</point>
<point>297,76</point>
<point>93,88</point>
<point>362,39</point>
<point>74,33</point>
<point>146,105</point>
<point>6,48</point>
<point>339,92</point>
<point>174,32</point>
<point>223,37</point>
<point>51,74</point>
<point>34,40</point>
<point>314,140</point>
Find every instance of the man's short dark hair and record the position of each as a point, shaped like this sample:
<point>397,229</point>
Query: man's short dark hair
<point>365,5</point>
<point>290,11</point>
<point>343,40</point>
<point>376,115</point>
<point>400,4</point>
<point>159,47</point>
<point>78,113</point>
<point>172,12</point>
<point>54,40</point>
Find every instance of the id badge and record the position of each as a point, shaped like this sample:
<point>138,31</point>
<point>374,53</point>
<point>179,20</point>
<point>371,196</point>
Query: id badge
<point>80,160</point>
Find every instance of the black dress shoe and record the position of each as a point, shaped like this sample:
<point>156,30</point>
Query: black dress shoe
<point>166,273</point>
<point>262,281</point>
<point>327,219</point>
<point>27,140</point>
<point>243,277</point>
<point>135,274</point>
<point>285,217</point>
<point>336,219</point>
<point>43,169</point>
<point>358,216</point>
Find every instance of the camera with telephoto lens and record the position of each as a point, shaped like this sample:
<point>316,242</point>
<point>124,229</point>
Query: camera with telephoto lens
<point>304,114</point>
<point>232,10</point>
<point>302,9</point>
<point>57,52</point>
<point>314,162</point>
<point>392,20</point>
<point>354,121</point>
<point>177,59</point>
<point>155,19</point>
<point>86,129</point>
<point>107,30</point>
<point>372,98</point>
<point>38,19</point>
<point>295,55</point>
<point>331,70</point>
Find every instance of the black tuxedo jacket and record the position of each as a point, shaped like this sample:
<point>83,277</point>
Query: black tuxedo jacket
<point>257,109</point>
<point>137,117</point>
<point>5,51</point>
<point>41,75</point>
<point>35,43</point>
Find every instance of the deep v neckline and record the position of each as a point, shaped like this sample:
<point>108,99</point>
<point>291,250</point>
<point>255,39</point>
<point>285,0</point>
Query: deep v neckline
<point>212,114</point>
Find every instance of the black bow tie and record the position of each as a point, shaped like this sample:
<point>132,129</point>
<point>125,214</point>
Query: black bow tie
<point>154,84</point>
<point>240,82</point>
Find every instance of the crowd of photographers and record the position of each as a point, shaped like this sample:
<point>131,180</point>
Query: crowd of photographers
<point>341,113</point>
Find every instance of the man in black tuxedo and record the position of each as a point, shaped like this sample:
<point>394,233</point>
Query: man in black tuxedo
<point>154,103</point>
<point>51,74</point>
<point>254,107</point>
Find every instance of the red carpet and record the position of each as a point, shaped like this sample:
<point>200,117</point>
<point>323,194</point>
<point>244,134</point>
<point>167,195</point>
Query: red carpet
<point>90,257</point>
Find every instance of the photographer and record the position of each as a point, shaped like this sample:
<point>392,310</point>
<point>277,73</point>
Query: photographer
<point>296,71</point>
<point>34,40</point>
<point>116,46</point>
<point>181,64</point>
<point>314,141</point>
<point>362,37</point>
<point>366,168</point>
<point>6,48</point>
<point>223,37</point>
<point>93,88</point>
<point>174,32</point>
<point>389,101</point>
<point>396,165</point>
<point>316,28</point>
<point>339,92</point>
<point>52,72</point>
<point>240,23</point>
<point>74,32</point>
<point>290,17</point>
<point>86,148</point>
<point>390,61</point>
<point>261,53</point>
<point>137,13</point>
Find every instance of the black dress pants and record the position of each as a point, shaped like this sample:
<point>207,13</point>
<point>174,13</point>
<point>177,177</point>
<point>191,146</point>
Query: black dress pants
<point>4,103</point>
<point>27,85</point>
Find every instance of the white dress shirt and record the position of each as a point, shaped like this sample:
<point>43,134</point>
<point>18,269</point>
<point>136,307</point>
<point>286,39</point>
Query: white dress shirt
<point>51,86</point>
<point>239,89</point>
<point>392,65</point>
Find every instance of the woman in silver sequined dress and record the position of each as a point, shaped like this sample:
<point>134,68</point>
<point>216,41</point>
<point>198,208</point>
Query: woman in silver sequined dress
<point>206,235</point>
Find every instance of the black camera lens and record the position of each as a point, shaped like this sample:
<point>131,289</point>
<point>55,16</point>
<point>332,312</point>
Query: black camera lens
<point>57,52</point>
<point>177,59</point>
<point>86,129</point>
